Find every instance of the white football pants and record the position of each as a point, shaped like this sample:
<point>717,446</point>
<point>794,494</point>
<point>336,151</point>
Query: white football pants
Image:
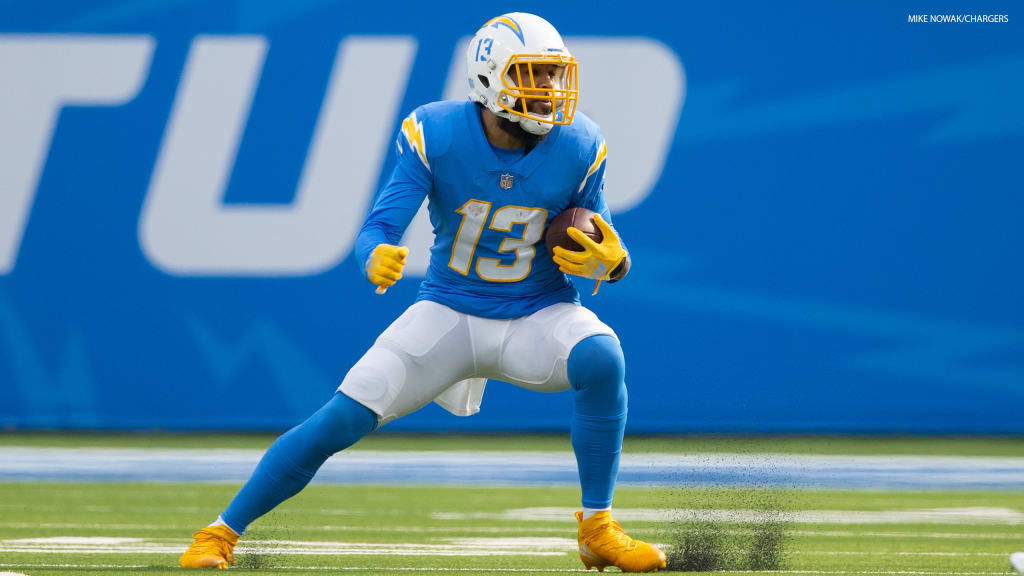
<point>433,353</point>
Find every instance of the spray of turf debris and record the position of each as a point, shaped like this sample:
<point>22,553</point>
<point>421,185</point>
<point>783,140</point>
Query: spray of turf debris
<point>702,544</point>
<point>253,555</point>
<point>703,538</point>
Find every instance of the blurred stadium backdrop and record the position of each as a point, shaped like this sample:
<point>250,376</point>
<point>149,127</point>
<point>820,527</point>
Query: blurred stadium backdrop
<point>824,203</point>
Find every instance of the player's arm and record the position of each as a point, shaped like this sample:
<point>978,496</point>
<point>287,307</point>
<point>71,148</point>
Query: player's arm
<point>382,259</point>
<point>604,261</point>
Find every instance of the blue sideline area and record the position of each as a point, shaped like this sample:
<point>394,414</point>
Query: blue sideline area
<point>822,202</point>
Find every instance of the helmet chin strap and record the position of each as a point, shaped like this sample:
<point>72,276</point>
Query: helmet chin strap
<point>534,127</point>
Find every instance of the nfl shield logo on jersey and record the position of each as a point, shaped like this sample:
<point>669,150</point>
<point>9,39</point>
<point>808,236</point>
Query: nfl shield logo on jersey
<point>506,181</point>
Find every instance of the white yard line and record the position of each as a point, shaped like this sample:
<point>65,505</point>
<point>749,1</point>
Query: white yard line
<point>95,508</point>
<point>76,566</point>
<point>514,570</point>
<point>75,525</point>
<point>523,529</point>
<point>909,572</point>
<point>872,553</point>
<point>938,535</point>
<point>976,515</point>
<point>448,547</point>
<point>519,546</point>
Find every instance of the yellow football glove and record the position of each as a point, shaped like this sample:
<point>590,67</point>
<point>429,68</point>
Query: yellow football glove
<point>595,261</point>
<point>384,267</point>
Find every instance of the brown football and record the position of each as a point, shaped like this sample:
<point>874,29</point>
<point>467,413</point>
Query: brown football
<point>576,217</point>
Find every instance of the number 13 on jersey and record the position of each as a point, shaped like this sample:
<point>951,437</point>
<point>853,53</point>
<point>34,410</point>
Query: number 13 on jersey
<point>474,216</point>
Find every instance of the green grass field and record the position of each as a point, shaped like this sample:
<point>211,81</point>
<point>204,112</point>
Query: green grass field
<point>889,445</point>
<point>141,528</point>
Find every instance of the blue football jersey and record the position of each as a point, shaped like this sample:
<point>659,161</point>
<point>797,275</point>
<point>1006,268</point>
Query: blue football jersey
<point>489,213</point>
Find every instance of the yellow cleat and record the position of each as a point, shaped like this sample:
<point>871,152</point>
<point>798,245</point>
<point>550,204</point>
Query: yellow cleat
<point>604,543</point>
<point>211,548</point>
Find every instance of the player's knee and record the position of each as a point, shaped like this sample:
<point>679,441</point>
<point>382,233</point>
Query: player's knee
<point>596,364</point>
<point>342,421</point>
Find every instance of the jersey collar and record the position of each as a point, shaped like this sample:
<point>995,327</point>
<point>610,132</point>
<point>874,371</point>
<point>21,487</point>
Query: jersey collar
<point>525,166</point>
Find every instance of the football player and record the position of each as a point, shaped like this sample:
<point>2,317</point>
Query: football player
<point>496,170</point>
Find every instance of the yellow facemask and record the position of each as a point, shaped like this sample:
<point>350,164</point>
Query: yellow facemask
<point>563,95</point>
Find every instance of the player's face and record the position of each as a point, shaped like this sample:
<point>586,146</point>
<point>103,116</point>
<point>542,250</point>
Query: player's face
<point>537,79</point>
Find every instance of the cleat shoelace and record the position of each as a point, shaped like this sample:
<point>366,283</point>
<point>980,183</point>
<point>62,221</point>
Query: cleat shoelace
<point>213,545</point>
<point>621,541</point>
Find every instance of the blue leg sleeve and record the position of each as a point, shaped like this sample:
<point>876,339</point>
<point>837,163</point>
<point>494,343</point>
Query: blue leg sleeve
<point>597,373</point>
<point>293,459</point>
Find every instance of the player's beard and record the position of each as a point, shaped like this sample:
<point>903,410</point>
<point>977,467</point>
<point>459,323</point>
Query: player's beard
<point>516,131</point>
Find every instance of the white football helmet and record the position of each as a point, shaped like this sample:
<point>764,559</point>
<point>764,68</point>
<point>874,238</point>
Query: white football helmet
<point>500,62</point>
